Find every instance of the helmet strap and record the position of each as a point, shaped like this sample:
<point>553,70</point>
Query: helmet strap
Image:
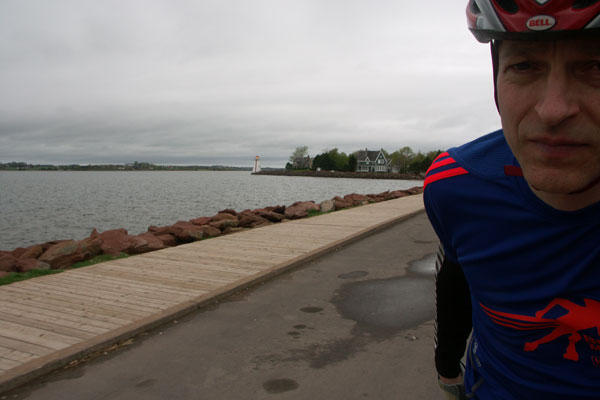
<point>494,46</point>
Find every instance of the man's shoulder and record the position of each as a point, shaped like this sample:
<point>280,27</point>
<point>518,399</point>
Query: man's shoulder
<point>484,157</point>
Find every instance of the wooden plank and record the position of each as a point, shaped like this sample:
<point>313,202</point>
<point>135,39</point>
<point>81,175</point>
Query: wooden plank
<point>221,264</point>
<point>251,242</point>
<point>7,364</point>
<point>80,286</point>
<point>131,286</point>
<point>85,324</point>
<point>16,355</point>
<point>199,268</point>
<point>206,283</point>
<point>25,347</point>
<point>126,282</point>
<point>36,336</point>
<point>192,259</point>
<point>75,295</point>
<point>96,316</point>
<point>116,271</point>
<point>47,326</point>
<point>109,308</point>
<point>234,260</point>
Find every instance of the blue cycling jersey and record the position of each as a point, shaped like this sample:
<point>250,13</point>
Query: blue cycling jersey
<point>533,272</point>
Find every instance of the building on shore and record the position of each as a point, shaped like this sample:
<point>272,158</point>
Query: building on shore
<point>372,161</point>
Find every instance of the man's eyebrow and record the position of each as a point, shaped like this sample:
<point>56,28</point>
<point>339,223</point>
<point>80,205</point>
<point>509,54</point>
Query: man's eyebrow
<point>591,48</point>
<point>520,49</point>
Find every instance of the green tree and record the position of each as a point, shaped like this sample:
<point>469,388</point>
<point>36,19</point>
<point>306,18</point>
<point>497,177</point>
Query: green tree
<point>299,153</point>
<point>352,162</point>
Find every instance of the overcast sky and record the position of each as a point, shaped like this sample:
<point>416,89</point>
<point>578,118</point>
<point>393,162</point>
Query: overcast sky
<point>220,81</point>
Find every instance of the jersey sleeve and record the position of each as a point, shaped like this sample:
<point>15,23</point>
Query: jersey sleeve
<point>453,298</point>
<point>453,318</point>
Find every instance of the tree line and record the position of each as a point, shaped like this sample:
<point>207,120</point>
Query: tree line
<point>404,160</point>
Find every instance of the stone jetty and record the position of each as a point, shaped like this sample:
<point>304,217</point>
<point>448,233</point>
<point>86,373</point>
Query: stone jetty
<point>62,254</point>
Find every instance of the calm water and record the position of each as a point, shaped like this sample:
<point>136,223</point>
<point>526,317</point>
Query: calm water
<point>36,207</point>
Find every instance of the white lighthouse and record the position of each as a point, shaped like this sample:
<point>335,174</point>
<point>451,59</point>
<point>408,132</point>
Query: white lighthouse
<point>256,164</point>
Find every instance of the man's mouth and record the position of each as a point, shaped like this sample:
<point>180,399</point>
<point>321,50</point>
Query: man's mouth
<point>557,148</point>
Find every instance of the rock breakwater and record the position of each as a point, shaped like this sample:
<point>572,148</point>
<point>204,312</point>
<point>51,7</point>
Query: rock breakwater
<point>64,253</point>
<point>341,174</point>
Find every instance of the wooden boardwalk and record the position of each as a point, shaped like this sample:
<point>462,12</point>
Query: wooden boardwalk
<point>47,322</point>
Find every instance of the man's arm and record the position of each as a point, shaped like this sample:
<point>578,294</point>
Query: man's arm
<point>453,320</point>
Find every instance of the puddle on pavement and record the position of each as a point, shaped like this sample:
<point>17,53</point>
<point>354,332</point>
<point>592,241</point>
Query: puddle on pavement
<point>280,385</point>
<point>383,307</point>
<point>353,275</point>
<point>424,266</point>
<point>311,310</point>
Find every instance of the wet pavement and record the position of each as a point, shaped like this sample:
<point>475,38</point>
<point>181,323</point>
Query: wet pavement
<point>354,324</point>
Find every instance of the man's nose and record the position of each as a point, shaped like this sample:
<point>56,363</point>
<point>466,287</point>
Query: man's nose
<point>557,100</point>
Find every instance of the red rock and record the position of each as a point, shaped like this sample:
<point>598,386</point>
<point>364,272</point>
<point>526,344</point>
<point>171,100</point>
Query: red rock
<point>168,240</point>
<point>276,209</point>
<point>248,218</point>
<point>229,211</point>
<point>415,190</point>
<point>114,241</point>
<point>28,264</point>
<point>259,224</point>
<point>229,230</point>
<point>8,263</point>
<point>47,245</point>
<point>341,203</point>
<point>357,199</point>
<point>269,215</point>
<point>300,209</point>
<point>159,230</point>
<point>186,231</point>
<point>223,216</point>
<point>201,221</point>
<point>68,252</point>
<point>18,252</point>
<point>210,231</point>
<point>32,252</point>
<point>224,224</point>
<point>144,243</point>
<point>396,194</point>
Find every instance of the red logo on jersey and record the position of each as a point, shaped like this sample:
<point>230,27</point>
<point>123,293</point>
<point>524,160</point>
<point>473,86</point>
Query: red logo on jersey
<point>578,318</point>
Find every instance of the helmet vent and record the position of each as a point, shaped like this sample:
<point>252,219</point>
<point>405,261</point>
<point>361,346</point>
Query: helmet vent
<point>580,4</point>
<point>475,8</point>
<point>508,5</point>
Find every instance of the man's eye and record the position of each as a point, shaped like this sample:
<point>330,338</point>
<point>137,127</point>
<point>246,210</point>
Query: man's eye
<point>522,66</point>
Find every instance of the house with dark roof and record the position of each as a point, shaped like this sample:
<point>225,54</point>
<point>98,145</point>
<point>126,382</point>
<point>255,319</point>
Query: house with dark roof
<point>371,161</point>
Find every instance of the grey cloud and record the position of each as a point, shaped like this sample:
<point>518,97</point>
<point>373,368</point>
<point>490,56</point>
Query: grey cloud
<point>190,80</point>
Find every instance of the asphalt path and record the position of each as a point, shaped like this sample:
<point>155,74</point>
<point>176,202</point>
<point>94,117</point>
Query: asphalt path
<point>353,324</point>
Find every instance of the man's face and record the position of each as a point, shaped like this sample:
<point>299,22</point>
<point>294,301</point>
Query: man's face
<point>549,102</point>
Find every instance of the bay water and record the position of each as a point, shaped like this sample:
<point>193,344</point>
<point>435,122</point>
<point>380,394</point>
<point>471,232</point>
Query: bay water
<point>40,206</point>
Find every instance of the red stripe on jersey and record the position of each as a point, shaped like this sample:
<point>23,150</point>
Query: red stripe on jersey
<point>512,170</point>
<point>439,164</point>
<point>444,174</point>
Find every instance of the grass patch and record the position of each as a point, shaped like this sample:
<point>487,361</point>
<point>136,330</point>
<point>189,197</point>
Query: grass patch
<point>22,276</point>
<point>314,213</point>
<point>97,260</point>
<point>35,273</point>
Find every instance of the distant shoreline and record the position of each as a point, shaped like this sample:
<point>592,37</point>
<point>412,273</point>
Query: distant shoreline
<point>342,174</point>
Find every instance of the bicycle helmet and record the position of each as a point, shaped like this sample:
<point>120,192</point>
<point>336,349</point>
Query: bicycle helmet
<point>533,19</point>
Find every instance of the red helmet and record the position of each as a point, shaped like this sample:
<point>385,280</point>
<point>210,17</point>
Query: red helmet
<point>533,19</point>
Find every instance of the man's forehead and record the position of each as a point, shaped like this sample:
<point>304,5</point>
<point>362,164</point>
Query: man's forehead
<point>590,47</point>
